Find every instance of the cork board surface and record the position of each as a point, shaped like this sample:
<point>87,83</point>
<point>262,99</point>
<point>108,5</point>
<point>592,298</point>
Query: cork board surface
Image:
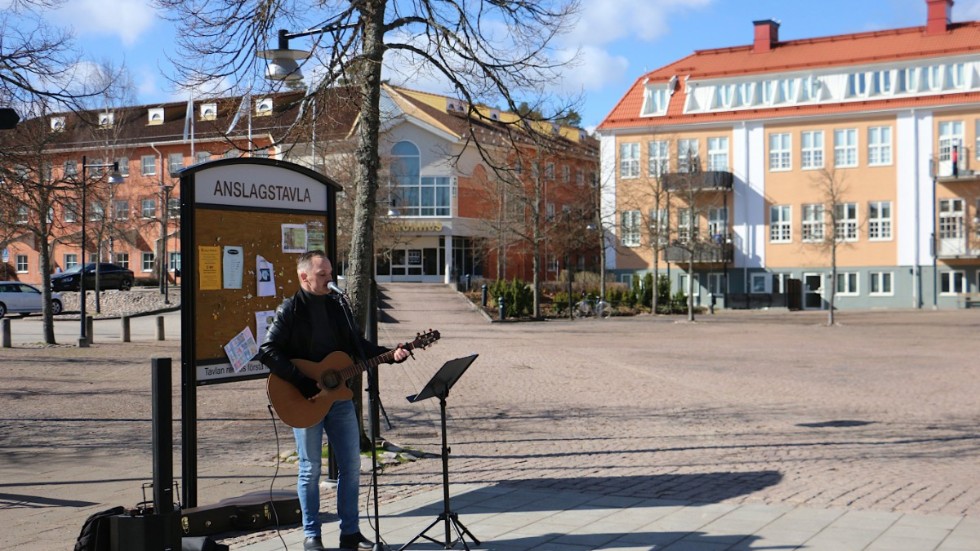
<point>222,313</point>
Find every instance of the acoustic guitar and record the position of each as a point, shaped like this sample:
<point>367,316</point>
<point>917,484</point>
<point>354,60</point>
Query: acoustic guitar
<point>332,372</point>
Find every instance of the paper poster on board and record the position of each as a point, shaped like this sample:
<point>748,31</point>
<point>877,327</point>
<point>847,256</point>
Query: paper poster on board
<point>315,236</point>
<point>294,238</point>
<point>209,267</point>
<point>264,278</point>
<point>233,265</point>
<point>241,349</point>
<point>263,320</point>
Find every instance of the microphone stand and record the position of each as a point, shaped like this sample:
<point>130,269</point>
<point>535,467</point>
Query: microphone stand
<point>373,400</point>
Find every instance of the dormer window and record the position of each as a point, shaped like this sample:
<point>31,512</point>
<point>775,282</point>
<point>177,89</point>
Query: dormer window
<point>209,111</point>
<point>57,124</point>
<point>155,116</point>
<point>655,100</point>
<point>105,120</point>
<point>263,107</point>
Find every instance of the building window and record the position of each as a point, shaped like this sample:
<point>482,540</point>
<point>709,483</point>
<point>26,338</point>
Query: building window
<point>148,164</point>
<point>780,224</point>
<point>716,283</point>
<point>71,168</point>
<point>120,210</point>
<point>812,229</point>
<point>580,177</point>
<point>718,224</point>
<point>951,283</point>
<point>631,228</point>
<point>566,174</point>
<point>148,261</point>
<point>845,147</point>
<point>951,225</point>
<point>96,212</point>
<point>175,162</point>
<point>122,259</point>
<point>21,263</point>
<point>811,155</point>
<point>847,283</point>
<point>148,208</point>
<point>950,134</point>
<point>202,156</point>
<point>682,284</point>
<point>780,151</point>
<point>880,220</point>
<point>629,160</point>
<point>416,195</point>
<point>976,147</point>
<point>880,145</point>
<point>687,227</point>
<point>549,171</point>
<point>173,263</point>
<point>687,155</point>
<point>655,100</point>
<point>759,283</point>
<point>658,158</point>
<point>718,154</point>
<point>123,165</point>
<point>173,207</point>
<point>660,225</point>
<point>70,260</point>
<point>846,222</point>
<point>880,283</point>
<point>22,214</point>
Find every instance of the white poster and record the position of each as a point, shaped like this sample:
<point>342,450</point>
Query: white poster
<point>233,265</point>
<point>264,278</point>
<point>241,349</point>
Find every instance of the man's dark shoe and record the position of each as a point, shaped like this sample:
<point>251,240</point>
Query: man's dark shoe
<point>355,541</point>
<point>313,544</point>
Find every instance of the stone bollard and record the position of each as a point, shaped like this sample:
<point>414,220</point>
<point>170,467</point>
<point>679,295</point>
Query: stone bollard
<point>483,294</point>
<point>125,328</point>
<point>5,330</point>
<point>160,333</point>
<point>89,323</point>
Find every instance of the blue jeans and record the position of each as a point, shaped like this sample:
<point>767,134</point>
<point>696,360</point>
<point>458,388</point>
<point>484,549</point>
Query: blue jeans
<point>344,437</point>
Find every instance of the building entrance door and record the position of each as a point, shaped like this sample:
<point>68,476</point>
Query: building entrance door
<point>813,291</point>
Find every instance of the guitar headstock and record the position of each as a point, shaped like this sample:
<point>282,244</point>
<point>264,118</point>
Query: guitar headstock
<point>423,340</point>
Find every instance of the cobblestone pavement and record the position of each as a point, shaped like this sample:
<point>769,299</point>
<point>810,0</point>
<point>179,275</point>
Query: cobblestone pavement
<point>878,413</point>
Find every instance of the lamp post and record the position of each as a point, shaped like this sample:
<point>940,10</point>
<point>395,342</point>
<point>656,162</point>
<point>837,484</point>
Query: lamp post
<point>164,264</point>
<point>114,178</point>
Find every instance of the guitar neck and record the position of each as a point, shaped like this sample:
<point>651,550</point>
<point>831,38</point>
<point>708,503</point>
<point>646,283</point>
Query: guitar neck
<point>360,367</point>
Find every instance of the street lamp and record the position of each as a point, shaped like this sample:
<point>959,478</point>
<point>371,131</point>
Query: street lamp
<point>164,264</point>
<point>114,178</point>
<point>282,61</point>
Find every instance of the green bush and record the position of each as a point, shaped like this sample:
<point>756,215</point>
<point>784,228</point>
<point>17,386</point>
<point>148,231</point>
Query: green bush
<point>518,297</point>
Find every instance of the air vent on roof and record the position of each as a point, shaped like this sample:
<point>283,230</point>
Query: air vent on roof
<point>155,116</point>
<point>105,120</point>
<point>57,124</point>
<point>263,107</point>
<point>494,115</point>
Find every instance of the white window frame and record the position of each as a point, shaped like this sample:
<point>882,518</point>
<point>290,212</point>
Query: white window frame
<point>23,215</point>
<point>120,209</point>
<point>880,146</point>
<point>780,151</point>
<point>687,225</point>
<point>845,147</point>
<point>812,223</point>
<point>688,154</point>
<point>718,224</point>
<point>70,212</point>
<point>629,160</point>
<point>123,166</point>
<point>147,262</point>
<point>879,220</point>
<point>148,208</point>
<point>173,261</point>
<point>21,263</point>
<point>122,259</point>
<point>175,162</point>
<point>658,158</point>
<point>70,260</point>
<point>846,222</point>
<point>881,284</point>
<point>847,284</point>
<point>950,134</point>
<point>660,225</point>
<point>811,149</point>
<point>952,282</point>
<point>718,153</point>
<point>716,283</point>
<point>148,165</point>
<point>780,224</point>
<point>760,283</point>
<point>631,223</point>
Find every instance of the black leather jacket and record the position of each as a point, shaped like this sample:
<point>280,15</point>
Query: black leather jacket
<point>291,336</point>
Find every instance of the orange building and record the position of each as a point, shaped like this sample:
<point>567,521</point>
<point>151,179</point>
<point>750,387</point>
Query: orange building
<point>795,171</point>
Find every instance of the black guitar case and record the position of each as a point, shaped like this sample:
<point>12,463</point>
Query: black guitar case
<point>254,511</point>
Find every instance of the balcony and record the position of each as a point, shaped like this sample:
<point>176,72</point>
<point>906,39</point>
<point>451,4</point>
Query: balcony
<point>710,180</point>
<point>704,252</point>
<point>946,172</point>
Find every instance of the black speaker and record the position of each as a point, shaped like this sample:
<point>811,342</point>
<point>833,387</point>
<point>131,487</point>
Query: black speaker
<point>145,532</point>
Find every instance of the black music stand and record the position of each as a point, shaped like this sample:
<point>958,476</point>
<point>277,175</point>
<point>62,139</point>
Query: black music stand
<point>439,386</point>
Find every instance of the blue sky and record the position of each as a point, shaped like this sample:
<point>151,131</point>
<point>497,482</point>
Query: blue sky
<point>618,40</point>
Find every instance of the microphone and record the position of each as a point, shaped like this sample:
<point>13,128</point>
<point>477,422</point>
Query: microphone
<point>333,287</point>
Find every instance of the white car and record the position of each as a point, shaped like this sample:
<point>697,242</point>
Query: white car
<point>22,298</point>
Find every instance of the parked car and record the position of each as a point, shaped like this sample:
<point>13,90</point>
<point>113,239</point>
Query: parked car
<point>111,276</point>
<point>22,298</point>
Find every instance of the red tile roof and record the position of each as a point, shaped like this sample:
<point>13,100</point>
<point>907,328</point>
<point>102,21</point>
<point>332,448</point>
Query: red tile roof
<point>799,55</point>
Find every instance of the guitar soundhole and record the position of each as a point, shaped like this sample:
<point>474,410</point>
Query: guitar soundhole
<point>329,380</point>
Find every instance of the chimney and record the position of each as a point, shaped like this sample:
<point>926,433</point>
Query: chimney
<point>766,35</point>
<point>938,19</point>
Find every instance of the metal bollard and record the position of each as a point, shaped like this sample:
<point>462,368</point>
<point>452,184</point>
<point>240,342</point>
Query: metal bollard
<point>89,323</point>
<point>125,328</point>
<point>483,294</point>
<point>467,283</point>
<point>502,307</point>
<point>5,323</point>
<point>160,334</point>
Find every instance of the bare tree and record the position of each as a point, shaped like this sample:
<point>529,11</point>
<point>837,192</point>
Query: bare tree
<point>451,38</point>
<point>832,186</point>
